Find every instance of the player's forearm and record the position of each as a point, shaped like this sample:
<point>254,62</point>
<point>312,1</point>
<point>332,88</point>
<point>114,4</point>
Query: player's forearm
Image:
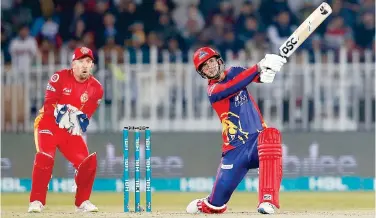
<point>50,102</point>
<point>223,90</point>
<point>48,108</point>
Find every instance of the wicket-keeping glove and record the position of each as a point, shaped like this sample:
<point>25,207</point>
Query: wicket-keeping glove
<point>80,122</point>
<point>62,118</point>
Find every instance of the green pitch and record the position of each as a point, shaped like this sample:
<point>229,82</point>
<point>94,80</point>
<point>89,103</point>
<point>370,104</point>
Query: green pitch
<point>15,204</point>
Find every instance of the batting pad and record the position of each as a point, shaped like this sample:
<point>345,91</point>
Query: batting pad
<point>270,158</point>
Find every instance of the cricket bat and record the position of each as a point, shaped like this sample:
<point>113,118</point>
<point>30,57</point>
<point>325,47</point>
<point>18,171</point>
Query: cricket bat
<point>305,30</point>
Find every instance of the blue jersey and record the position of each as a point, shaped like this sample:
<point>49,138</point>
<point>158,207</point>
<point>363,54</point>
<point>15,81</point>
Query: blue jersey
<point>237,110</point>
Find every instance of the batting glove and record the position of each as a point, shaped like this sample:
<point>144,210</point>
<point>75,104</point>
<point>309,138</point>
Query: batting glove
<point>267,76</point>
<point>271,61</point>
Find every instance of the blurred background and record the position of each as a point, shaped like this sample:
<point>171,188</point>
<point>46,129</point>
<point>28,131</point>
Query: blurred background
<point>323,100</point>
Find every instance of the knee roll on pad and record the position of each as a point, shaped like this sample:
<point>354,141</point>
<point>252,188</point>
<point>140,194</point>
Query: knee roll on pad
<point>89,162</point>
<point>270,165</point>
<point>205,207</point>
<point>87,167</point>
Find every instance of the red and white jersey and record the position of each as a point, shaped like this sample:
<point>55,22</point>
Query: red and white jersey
<point>63,88</point>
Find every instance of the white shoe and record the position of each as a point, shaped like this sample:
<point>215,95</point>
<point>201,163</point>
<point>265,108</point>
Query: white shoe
<point>35,207</point>
<point>192,207</point>
<point>266,208</point>
<point>87,206</point>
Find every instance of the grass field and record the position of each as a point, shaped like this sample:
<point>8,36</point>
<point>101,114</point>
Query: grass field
<point>293,204</point>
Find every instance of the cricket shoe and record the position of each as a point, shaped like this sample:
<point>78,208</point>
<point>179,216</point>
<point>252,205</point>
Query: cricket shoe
<point>266,208</point>
<point>35,207</point>
<point>86,206</point>
<point>203,206</point>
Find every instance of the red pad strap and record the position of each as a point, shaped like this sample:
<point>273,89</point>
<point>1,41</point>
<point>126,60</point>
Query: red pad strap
<point>84,178</point>
<point>270,167</point>
<point>41,175</point>
<point>205,207</point>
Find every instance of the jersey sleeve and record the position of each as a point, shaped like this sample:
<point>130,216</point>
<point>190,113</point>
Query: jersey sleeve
<point>221,90</point>
<point>97,100</point>
<point>53,93</point>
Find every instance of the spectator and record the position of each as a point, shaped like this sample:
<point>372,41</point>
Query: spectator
<point>110,30</point>
<point>337,33</point>
<point>257,47</point>
<point>71,45</point>
<point>247,10</point>
<point>252,36</point>
<point>138,40</point>
<point>248,30</point>
<point>153,12</point>
<point>367,6</point>
<point>21,15</point>
<point>6,5</point>
<point>128,13</point>
<point>112,48</point>
<point>339,10</point>
<point>280,30</point>
<point>136,27</point>
<point>227,11</point>
<point>23,48</point>
<point>203,39</point>
<point>78,16</point>
<point>207,6</point>
<point>166,28</point>
<point>5,40</point>
<point>88,40</point>
<point>66,10</point>
<point>364,32</point>
<point>79,30</point>
<point>136,43</point>
<point>215,32</point>
<point>190,35</point>
<point>46,48</point>
<point>230,43</point>
<point>49,31</point>
<point>182,8</point>
<point>133,22</point>
<point>94,22</point>
<point>153,40</point>
<point>191,21</point>
<point>48,16</point>
<point>173,48</point>
<point>296,7</point>
<point>270,8</point>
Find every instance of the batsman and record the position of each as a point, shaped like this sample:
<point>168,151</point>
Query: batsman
<point>71,98</point>
<point>247,141</point>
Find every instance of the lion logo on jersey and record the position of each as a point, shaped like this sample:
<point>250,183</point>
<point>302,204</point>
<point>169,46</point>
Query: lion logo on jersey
<point>231,128</point>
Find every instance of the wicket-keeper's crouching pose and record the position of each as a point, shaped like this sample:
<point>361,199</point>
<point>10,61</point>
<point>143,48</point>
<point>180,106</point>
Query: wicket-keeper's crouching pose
<point>72,96</point>
<point>247,142</point>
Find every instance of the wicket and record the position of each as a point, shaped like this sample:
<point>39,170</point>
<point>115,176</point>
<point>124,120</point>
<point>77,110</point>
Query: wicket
<point>137,136</point>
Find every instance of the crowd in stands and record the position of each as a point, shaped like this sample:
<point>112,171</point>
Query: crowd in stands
<point>31,26</point>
